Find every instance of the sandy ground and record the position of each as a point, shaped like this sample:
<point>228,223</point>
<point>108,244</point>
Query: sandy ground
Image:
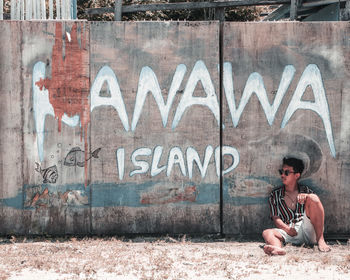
<point>165,258</point>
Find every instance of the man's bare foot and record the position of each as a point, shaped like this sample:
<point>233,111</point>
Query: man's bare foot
<point>274,250</point>
<point>322,246</point>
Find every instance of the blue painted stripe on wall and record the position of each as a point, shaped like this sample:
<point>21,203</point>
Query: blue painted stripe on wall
<point>114,195</point>
<point>130,194</point>
<point>109,195</point>
<point>60,188</point>
<point>14,202</point>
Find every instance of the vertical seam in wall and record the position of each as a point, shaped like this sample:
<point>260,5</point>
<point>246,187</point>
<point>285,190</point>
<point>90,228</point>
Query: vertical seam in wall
<point>221,28</point>
<point>88,26</point>
<point>22,120</point>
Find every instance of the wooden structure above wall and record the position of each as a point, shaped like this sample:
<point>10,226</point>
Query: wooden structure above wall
<point>300,10</point>
<point>308,10</point>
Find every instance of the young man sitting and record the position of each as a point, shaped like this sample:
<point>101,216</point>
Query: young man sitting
<point>296,211</point>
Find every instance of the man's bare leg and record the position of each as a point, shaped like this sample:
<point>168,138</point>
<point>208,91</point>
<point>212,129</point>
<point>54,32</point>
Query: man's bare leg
<point>273,240</point>
<point>315,211</point>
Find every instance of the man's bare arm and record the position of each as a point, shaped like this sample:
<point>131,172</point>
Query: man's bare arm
<point>281,225</point>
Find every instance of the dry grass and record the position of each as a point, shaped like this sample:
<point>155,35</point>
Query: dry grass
<point>165,258</point>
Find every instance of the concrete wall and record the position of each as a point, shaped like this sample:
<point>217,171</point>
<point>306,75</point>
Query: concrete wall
<point>115,127</point>
<point>302,70</point>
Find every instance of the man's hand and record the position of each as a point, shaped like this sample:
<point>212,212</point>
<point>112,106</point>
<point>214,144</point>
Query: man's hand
<point>291,231</point>
<point>302,197</point>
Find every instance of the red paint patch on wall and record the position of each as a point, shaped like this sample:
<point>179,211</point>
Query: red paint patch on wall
<point>170,196</point>
<point>69,86</point>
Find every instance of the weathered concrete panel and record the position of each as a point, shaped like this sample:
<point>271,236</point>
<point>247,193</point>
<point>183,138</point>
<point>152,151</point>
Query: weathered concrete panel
<point>160,78</point>
<point>55,78</point>
<point>11,140</point>
<point>307,66</point>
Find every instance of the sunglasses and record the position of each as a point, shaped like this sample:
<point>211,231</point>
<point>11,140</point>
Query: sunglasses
<point>285,172</point>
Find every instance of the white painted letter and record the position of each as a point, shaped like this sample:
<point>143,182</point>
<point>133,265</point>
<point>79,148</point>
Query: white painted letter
<point>140,163</point>
<point>199,73</point>
<point>176,152</point>
<point>255,84</point>
<point>192,155</point>
<point>155,170</point>
<point>148,83</point>
<point>226,150</point>
<point>312,77</point>
<point>120,162</point>
<point>116,99</point>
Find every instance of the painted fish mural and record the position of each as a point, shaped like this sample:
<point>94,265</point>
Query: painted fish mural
<point>44,199</point>
<point>50,174</point>
<point>40,199</point>
<point>76,157</point>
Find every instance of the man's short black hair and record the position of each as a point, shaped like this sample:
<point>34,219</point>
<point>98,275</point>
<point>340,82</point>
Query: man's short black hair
<point>297,164</point>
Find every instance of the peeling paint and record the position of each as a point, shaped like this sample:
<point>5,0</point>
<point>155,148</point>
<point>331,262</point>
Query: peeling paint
<point>170,195</point>
<point>69,86</point>
<point>37,198</point>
